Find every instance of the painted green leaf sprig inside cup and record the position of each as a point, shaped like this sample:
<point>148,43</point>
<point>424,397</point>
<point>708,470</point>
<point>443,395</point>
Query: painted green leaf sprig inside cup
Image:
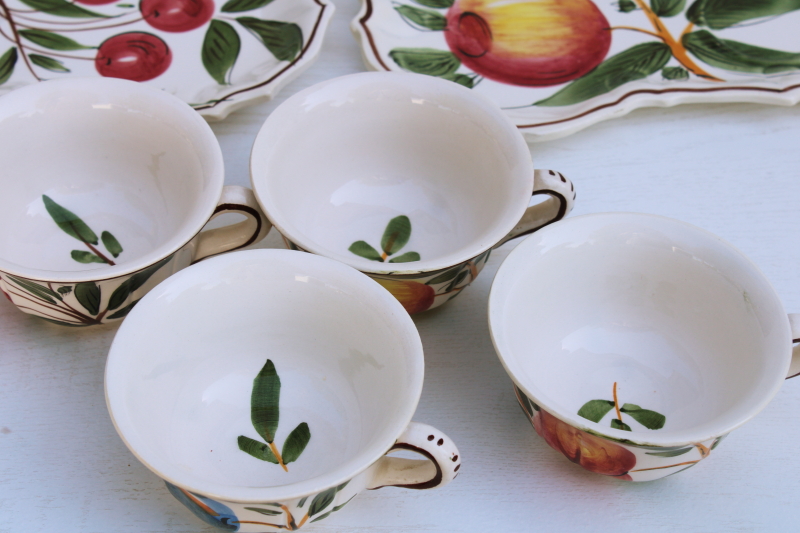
<point>595,410</point>
<point>265,415</point>
<point>395,236</point>
<point>75,227</point>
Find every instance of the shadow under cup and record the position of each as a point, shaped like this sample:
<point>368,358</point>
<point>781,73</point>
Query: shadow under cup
<point>336,162</point>
<point>124,158</point>
<point>182,368</point>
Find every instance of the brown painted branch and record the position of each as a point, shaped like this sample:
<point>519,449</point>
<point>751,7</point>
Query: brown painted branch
<point>640,30</point>
<point>17,39</point>
<point>278,456</point>
<point>668,466</point>
<point>40,312</point>
<point>257,523</point>
<point>616,403</point>
<point>49,306</point>
<point>99,254</point>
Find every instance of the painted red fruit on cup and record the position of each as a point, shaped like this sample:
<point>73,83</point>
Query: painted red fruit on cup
<point>526,42</point>
<point>176,15</point>
<point>135,56</point>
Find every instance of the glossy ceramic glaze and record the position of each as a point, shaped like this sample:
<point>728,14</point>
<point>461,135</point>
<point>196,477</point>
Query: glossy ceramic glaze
<point>558,66</point>
<point>344,357</point>
<point>105,179</point>
<point>216,56</point>
<point>399,175</point>
<point>639,333</point>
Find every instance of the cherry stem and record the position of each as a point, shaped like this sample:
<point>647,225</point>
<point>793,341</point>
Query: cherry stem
<point>95,251</point>
<point>17,39</point>
<point>93,28</point>
<point>616,403</point>
<point>632,28</point>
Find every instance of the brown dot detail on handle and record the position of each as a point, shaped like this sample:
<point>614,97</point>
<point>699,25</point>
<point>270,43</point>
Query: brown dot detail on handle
<point>560,175</point>
<point>552,173</point>
<point>456,468</point>
<point>440,442</point>
<point>455,458</point>
<point>430,437</point>
<point>571,186</point>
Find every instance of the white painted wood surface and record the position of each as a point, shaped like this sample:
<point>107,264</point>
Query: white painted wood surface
<point>732,169</point>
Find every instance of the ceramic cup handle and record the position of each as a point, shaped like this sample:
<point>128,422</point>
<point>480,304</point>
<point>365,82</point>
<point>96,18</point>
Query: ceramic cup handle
<point>439,469</point>
<point>794,323</point>
<point>234,199</point>
<point>562,199</point>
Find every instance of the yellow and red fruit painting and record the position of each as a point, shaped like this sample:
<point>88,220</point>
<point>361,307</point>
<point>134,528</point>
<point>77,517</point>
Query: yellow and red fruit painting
<point>530,43</point>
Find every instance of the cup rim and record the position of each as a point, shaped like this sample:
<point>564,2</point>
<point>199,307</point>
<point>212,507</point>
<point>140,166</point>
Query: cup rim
<point>515,262</point>
<point>513,213</point>
<point>334,477</point>
<point>112,87</point>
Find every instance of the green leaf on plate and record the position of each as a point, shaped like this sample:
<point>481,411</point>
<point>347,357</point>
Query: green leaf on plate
<point>268,512</point>
<point>667,8</point>
<point>721,14</point>
<point>45,293</point>
<point>675,73</point>
<point>405,258</point>
<point>635,63</point>
<point>49,63</point>
<point>237,6</point>
<point>111,243</point>
<point>64,290</point>
<point>396,234</point>
<point>736,56</point>
<point>672,453</point>
<point>321,501</point>
<point>436,4</point>
<point>295,443</point>
<point>7,62</point>
<point>264,401</point>
<point>426,61</point>
<point>595,410</point>
<point>61,8</point>
<point>283,39</point>
<point>619,424</point>
<point>422,18</point>
<point>52,41</point>
<point>220,50</point>
<point>626,6</point>
<point>647,418</point>
<point>69,222</point>
<point>363,249</point>
<point>133,283</point>
<point>82,256</point>
<point>122,313</point>
<point>461,79</point>
<point>259,450</point>
<point>88,295</point>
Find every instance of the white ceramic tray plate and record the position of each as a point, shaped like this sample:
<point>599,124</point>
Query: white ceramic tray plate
<point>216,55</point>
<point>558,66</point>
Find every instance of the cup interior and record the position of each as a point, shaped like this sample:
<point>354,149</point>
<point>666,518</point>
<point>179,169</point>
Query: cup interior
<point>124,158</point>
<point>335,163</point>
<point>181,372</point>
<point>679,320</point>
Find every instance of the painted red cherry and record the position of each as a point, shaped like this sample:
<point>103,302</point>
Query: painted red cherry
<point>526,42</point>
<point>176,15</point>
<point>136,56</point>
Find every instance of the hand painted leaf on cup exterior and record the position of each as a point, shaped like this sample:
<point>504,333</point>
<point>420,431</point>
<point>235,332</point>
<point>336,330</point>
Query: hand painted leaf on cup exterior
<point>52,41</point>
<point>265,401</point>
<point>422,18</point>
<point>133,283</point>
<point>405,258</point>
<point>60,323</point>
<point>672,453</point>
<point>45,293</point>
<point>717,441</point>
<point>62,8</point>
<point>259,450</point>
<point>283,39</point>
<point>302,502</point>
<point>363,249</point>
<point>616,423</point>
<point>211,512</point>
<point>66,289</point>
<point>721,14</point>
<point>396,234</point>
<point>220,50</point>
<point>69,222</point>
<point>595,410</point>
<point>122,313</point>
<point>295,443</point>
<point>88,295</point>
<point>426,61</point>
<point>635,63</point>
<point>736,56</point>
<point>49,63</point>
<point>111,243</point>
<point>675,73</point>
<point>461,277</point>
<point>237,6</point>
<point>667,8</point>
<point>436,4</point>
<point>7,62</point>
<point>461,79</point>
<point>321,501</point>
<point>444,277</point>
<point>82,256</point>
<point>647,418</point>
<point>267,512</point>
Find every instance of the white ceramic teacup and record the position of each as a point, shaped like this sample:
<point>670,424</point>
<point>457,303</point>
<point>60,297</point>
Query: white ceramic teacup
<point>411,179</point>
<point>106,186</point>
<point>266,387</point>
<point>637,342</point>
